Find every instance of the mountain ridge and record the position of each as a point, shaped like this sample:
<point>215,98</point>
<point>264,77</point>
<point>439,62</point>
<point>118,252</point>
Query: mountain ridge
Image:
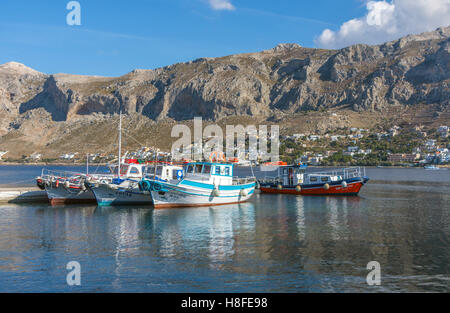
<point>409,74</point>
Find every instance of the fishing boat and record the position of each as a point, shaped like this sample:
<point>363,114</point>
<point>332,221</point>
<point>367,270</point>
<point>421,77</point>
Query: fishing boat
<point>65,187</point>
<point>204,184</point>
<point>293,179</point>
<point>127,188</point>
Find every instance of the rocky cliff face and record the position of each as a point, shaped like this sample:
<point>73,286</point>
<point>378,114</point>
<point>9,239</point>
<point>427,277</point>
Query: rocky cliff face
<point>288,79</point>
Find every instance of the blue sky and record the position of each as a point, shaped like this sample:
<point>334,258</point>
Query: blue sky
<point>116,37</point>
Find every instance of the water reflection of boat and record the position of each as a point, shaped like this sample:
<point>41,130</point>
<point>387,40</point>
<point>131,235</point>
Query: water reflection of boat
<point>431,167</point>
<point>292,179</point>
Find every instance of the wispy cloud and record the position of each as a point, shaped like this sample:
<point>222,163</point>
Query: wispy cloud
<point>221,5</point>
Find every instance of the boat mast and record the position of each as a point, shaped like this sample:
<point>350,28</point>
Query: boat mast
<point>120,141</point>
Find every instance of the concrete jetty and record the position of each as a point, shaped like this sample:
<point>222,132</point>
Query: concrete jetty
<point>22,195</point>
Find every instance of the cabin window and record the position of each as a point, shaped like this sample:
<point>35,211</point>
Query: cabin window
<point>134,170</point>
<point>217,171</point>
<point>207,169</point>
<point>150,170</point>
<point>285,171</point>
<point>159,170</point>
<point>313,179</point>
<point>227,171</point>
<point>190,169</point>
<point>324,179</point>
<point>198,168</point>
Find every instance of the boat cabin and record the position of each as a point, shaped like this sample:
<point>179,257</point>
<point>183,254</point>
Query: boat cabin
<point>212,173</point>
<point>292,175</point>
<point>164,172</point>
<point>128,170</point>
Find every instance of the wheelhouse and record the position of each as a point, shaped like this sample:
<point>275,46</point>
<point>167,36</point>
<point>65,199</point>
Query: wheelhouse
<point>291,174</point>
<point>164,172</point>
<point>209,169</point>
<point>211,173</point>
<point>128,170</point>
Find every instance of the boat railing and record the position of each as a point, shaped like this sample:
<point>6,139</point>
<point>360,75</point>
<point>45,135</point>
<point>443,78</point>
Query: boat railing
<point>271,180</point>
<point>345,173</point>
<point>53,175</point>
<point>243,180</point>
<point>60,175</point>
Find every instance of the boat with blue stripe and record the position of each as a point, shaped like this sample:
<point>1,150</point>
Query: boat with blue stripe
<point>204,184</point>
<point>128,189</point>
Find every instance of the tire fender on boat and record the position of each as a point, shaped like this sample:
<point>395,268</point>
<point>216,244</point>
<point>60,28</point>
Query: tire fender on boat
<point>344,184</point>
<point>298,188</point>
<point>326,186</point>
<point>40,183</point>
<point>279,187</point>
<point>144,185</point>
<point>243,192</point>
<point>156,187</point>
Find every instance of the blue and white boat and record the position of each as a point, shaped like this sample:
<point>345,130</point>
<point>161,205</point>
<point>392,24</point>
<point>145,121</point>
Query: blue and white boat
<point>204,184</point>
<point>127,188</point>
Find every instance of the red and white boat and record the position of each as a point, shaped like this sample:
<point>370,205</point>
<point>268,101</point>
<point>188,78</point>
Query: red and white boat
<point>293,179</point>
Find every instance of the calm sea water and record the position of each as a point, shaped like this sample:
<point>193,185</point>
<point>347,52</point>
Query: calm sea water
<point>274,243</point>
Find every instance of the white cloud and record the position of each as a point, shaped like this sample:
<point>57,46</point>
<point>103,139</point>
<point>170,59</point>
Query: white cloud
<point>221,5</point>
<point>387,21</point>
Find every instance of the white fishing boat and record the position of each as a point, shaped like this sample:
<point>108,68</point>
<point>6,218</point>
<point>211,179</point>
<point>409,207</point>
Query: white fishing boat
<point>204,184</point>
<point>128,189</point>
<point>65,187</point>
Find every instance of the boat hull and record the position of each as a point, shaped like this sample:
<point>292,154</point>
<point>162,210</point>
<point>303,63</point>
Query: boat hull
<point>352,189</point>
<point>73,195</point>
<point>182,195</point>
<point>107,196</point>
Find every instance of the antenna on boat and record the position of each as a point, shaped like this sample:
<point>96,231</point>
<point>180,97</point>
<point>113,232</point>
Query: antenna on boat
<point>120,142</point>
<point>87,164</point>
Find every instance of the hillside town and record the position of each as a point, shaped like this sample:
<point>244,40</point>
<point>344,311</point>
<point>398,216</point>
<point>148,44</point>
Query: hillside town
<point>357,146</point>
<point>353,146</point>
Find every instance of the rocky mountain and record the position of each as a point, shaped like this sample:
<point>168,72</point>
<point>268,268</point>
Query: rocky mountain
<point>412,72</point>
